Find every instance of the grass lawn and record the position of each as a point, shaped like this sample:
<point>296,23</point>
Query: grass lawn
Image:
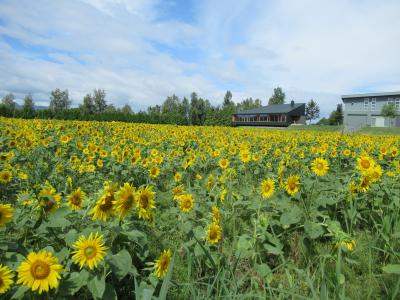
<point>365,130</point>
<point>381,130</point>
<point>326,128</point>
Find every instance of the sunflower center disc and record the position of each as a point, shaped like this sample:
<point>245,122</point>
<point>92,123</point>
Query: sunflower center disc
<point>40,270</point>
<point>90,252</point>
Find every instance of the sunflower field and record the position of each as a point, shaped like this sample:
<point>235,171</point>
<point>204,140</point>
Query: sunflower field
<point>108,210</point>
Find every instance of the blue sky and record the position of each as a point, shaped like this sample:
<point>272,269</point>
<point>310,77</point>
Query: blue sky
<point>141,51</point>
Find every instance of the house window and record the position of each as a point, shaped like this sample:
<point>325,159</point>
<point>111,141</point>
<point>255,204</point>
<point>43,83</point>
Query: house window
<point>390,100</point>
<point>366,103</point>
<point>397,103</point>
<point>373,104</point>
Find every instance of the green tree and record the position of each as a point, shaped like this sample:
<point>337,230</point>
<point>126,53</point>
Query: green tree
<point>171,105</point>
<point>99,100</point>
<point>8,101</point>
<point>278,96</point>
<point>312,110</point>
<point>186,110</point>
<point>248,103</point>
<point>389,111</point>
<point>28,108</point>
<point>59,100</point>
<point>126,109</point>
<point>336,117</point>
<point>88,104</point>
<point>228,99</point>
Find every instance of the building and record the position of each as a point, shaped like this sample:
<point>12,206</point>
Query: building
<point>362,110</point>
<point>277,115</point>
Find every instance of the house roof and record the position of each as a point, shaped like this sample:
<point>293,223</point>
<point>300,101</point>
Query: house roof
<point>371,95</point>
<point>271,109</point>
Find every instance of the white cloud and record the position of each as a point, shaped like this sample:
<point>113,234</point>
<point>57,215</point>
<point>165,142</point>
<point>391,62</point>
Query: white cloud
<point>313,49</point>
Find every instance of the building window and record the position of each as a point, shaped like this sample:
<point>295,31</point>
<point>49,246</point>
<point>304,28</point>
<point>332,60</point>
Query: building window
<point>390,100</point>
<point>366,103</point>
<point>397,103</point>
<point>373,104</point>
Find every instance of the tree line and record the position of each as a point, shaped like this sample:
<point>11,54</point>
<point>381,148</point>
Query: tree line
<point>192,110</point>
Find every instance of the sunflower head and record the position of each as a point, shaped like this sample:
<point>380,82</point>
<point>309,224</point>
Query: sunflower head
<point>5,176</point>
<point>126,200</point>
<point>6,279</point>
<point>40,271</point>
<point>223,163</point>
<point>214,233</point>
<point>6,214</point>
<point>365,163</point>
<point>185,202</point>
<point>154,171</point>
<point>49,199</point>
<point>104,208</point>
<point>89,251</point>
<point>145,202</point>
<point>292,185</point>
<point>267,188</point>
<point>162,263</point>
<point>75,199</point>
<point>320,166</point>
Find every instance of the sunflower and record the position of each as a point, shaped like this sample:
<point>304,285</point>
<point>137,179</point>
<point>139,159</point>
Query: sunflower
<point>365,163</point>
<point>223,194</point>
<point>49,199</point>
<point>178,191</point>
<point>214,233</point>
<point>292,185</point>
<point>40,271</point>
<point>6,214</point>
<point>145,202</point>
<point>126,199</point>
<point>5,279</point>
<point>215,214</point>
<point>162,263</point>
<point>178,177</point>
<point>104,208</point>
<point>346,152</point>
<point>5,176</point>
<point>364,184</point>
<point>223,163</point>
<point>154,172</point>
<point>267,188</point>
<point>245,156</point>
<point>75,199</point>
<point>89,251</point>
<point>320,166</point>
<point>185,202</point>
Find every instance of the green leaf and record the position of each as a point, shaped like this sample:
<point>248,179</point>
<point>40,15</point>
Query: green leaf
<point>292,216</point>
<point>109,293</point>
<point>74,283</point>
<point>276,250</point>
<point>121,263</point>
<point>19,294</point>
<point>263,270</point>
<point>71,237</point>
<point>313,230</point>
<point>97,286</point>
<point>392,269</point>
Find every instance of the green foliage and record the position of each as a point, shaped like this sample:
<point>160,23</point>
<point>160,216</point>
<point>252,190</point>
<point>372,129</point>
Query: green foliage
<point>312,110</point>
<point>8,100</point>
<point>389,110</point>
<point>336,117</point>
<point>278,97</point>
<point>28,108</point>
<point>59,101</point>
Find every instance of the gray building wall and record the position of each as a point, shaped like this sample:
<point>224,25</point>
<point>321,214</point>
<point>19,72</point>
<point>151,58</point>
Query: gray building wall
<point>357,113</point>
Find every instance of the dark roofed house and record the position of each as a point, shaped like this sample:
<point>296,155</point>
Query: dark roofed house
<point>276,115</point>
